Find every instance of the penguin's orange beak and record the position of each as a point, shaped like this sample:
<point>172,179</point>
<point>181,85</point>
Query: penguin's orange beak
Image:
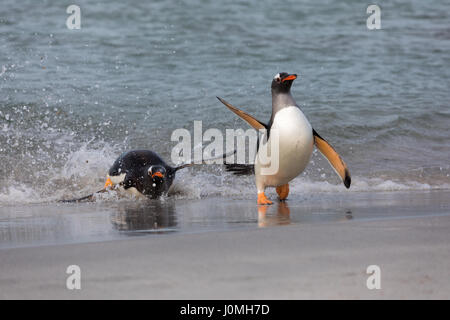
<point>158,174</point>
<point>290,77</point>
<point>108,183</point>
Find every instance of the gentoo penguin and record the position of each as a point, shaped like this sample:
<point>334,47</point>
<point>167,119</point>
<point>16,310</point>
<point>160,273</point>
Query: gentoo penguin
<point>293,137</point>
<point>140,172</point>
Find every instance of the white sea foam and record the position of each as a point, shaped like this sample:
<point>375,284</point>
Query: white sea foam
<point>84,172</point>
<point>244,188</point>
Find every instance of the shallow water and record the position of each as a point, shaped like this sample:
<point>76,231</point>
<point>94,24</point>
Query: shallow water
<point>49,224</point>
<point>72,100</point>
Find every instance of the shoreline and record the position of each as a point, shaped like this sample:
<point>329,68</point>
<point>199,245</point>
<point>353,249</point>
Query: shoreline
<point>55,223</point>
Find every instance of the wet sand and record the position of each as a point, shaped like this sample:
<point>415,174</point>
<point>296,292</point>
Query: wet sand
<point>318,247</point>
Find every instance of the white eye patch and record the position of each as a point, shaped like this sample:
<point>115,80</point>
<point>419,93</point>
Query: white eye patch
<point>277,77</point>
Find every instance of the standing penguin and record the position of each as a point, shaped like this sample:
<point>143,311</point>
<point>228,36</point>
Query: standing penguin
<point>295,139</point>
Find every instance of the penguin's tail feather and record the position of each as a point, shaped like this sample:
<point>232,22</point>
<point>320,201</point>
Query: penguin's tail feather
<point>240,169</point>
<point>223,156</point>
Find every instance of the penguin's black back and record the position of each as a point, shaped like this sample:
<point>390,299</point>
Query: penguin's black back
<point>135,160</point>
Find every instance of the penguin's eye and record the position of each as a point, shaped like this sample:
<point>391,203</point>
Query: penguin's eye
<point>278,79</point>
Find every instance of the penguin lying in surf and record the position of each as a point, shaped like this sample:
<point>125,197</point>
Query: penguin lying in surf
<point>140,172</point>
<point>296,139</point>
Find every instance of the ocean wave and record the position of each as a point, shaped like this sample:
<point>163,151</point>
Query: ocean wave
<point>83,172</point>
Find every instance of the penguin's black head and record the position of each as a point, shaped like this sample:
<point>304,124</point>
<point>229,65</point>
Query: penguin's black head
<point>282,82</point>
<point>157,173</point>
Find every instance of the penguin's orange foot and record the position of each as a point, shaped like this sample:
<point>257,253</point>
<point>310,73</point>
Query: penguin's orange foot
<point>262,199</point>
<point>283,191</point>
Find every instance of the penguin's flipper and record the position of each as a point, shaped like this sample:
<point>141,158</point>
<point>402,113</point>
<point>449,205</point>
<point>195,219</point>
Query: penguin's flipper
<point>250,119</point>
<point>88,197</point>
<point>183,166</point>
<point>77,200</point>
<point>333,158</point>
<point>223,156</point>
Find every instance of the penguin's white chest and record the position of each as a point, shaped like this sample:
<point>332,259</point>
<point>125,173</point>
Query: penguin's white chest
<point>288,148</point>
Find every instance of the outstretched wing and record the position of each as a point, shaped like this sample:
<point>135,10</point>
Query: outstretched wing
<point>333,158</point>
<point>236,168</point>
<point>204,161</point>
<point>88,197</point>
<point>250,119</point>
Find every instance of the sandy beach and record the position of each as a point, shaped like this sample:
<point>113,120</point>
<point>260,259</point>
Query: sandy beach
<point>311,251</point>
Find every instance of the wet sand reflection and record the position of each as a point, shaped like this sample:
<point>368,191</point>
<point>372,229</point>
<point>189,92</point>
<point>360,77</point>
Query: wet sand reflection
<point>267,217</point>
<point>152,217</point>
